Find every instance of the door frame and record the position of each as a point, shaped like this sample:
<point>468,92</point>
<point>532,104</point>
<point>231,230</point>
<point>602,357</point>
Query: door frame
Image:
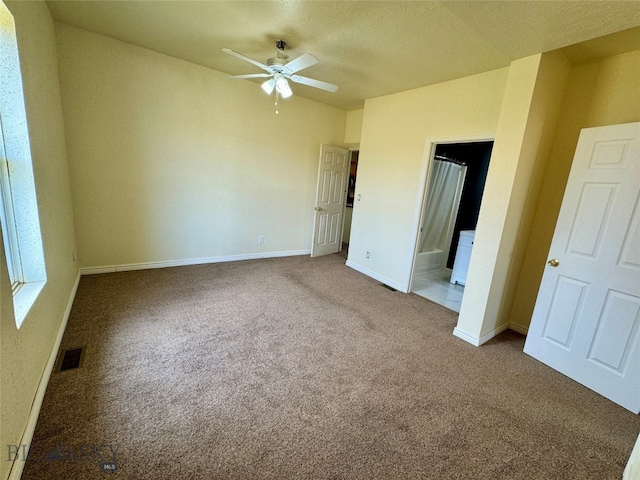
<point>423,190</point>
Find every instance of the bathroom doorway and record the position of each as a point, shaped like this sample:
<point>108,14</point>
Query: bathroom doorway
<point>455,181</point>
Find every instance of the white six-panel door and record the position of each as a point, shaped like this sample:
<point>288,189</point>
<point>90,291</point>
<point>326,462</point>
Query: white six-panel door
<point>330,199</point>
<point>586,320</point>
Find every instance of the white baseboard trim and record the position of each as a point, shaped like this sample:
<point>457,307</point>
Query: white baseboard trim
<point>475,341</point>
<point>493,333</point>
<point>375,276</point>
<point>518,328</point>
<point>189,261</point>
<point>466,337</point>
<point>18,465</point>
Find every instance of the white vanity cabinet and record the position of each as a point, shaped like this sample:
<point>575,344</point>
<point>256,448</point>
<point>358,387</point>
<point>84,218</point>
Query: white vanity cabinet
<point>463,256</point>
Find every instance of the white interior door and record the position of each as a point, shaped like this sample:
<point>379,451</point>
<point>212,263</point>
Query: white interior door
<point>330,198</point>
<point>587,316</point>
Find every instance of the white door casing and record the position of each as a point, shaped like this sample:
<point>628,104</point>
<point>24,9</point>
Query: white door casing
<point>586,320</point>
<point>330,200</point>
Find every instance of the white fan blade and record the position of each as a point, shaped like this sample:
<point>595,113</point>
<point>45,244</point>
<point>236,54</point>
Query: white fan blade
<point>246,59</point>
<point>300,63</point>
<point>251,75</point>
<point>329,87</point>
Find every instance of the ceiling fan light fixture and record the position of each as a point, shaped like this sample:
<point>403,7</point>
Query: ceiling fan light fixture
<point>268,86</point>
<point>283,88</point>
<point>281,72</point>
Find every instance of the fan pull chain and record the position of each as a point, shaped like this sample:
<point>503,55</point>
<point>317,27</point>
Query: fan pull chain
<point>276,95</point>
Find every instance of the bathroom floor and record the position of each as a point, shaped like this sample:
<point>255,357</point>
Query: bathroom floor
<point>435,286</point>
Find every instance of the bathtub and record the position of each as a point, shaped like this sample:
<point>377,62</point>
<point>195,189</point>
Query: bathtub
<point>428,261</point>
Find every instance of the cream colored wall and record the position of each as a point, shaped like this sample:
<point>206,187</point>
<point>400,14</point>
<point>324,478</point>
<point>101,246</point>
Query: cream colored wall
<point>604,92</point>
<point>523,140</point>
<point>395,130</point>
<point>353,128</point>
<point>171,161</point>
<point>24,352</point>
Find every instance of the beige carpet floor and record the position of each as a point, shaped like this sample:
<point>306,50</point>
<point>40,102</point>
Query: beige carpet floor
<point>303,368</point>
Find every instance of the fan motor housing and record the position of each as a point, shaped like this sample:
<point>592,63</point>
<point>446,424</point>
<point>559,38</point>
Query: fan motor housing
<point>272,62</point>
<point>276,64</point>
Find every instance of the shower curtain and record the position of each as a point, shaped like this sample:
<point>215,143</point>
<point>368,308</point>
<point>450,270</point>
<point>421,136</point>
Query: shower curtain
<point>446,180</point>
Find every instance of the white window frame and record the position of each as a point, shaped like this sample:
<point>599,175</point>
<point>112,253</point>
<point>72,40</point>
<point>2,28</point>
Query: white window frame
<point>7,220</point>
<point>19,218</point>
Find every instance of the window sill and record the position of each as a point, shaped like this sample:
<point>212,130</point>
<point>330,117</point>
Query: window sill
<point>24,298</point>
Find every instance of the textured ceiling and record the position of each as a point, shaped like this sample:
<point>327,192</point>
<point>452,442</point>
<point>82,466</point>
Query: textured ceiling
<point>367,48</point>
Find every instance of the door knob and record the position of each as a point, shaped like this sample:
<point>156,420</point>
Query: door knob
<point>553,262</point>
<point>318,209</point>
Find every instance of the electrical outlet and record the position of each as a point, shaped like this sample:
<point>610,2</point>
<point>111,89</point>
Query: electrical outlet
<point>261,240</point>
<point>368,254</point>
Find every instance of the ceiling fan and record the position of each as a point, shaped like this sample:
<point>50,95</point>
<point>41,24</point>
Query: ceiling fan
<point>279,71</point>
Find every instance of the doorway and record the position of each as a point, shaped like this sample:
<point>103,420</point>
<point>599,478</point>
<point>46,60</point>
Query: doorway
<point>450,207</point>
<point>348,211</point>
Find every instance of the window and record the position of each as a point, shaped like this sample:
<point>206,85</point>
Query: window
<point>18,204</point>
<point>9,234</point>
